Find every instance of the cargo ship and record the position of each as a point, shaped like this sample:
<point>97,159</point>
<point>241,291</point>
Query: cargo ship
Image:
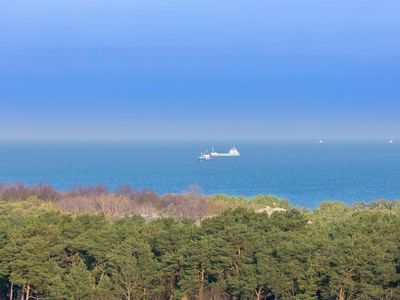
<point>232,152</point>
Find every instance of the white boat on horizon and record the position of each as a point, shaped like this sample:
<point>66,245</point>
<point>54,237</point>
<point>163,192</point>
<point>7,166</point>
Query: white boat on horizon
<point>232,152</point>
<point>204,156</point>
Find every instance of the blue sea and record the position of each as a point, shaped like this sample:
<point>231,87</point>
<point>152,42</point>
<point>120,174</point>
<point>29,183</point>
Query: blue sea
<point>304,172</point>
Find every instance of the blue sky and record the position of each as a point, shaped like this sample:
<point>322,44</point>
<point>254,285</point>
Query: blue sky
<point>199,69</point>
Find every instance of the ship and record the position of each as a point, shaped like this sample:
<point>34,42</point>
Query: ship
<point>232,152</point>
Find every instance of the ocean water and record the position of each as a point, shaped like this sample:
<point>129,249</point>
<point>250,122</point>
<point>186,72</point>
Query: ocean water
<point>304,172</point>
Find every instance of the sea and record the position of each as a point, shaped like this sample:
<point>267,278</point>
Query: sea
<point>304,172</point>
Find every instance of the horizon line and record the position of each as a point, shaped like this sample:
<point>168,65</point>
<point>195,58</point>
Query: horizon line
<point>196,139</point>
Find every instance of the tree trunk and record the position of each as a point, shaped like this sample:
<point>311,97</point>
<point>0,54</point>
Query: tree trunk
<point>258,293</point>
<point>23,292</point>
<point>11,291</point>
<point>341,294</point>
<point>171,289</point>
<point>28,290</point>
<point>201,289</point>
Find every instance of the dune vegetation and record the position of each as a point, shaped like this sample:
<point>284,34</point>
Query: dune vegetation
<point>92,244</point>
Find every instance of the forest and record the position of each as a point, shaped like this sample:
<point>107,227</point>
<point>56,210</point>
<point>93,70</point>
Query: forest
<point>90,243</point>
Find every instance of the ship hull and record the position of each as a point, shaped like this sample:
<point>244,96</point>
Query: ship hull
<point>224,154</point>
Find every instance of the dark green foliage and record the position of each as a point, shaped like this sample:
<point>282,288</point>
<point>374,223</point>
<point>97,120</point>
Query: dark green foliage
<point>336,252</point>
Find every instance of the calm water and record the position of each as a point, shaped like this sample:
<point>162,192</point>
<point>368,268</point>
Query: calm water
<point>303,172</point>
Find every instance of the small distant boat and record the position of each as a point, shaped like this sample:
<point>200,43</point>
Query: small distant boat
<point>320,142</point>
<point>205,156</point>
<point>391,142</point>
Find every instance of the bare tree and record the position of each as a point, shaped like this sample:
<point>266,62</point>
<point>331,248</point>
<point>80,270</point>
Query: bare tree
<point>193,189</point>
<point>184,207</point>
<point>76,204</point>
<point>23,192</point>
<point>126,190</point>
<point>113,207</point>
<point>90,190</point>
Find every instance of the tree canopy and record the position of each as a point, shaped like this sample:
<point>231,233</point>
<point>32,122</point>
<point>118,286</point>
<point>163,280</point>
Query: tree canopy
<point>334,252</point>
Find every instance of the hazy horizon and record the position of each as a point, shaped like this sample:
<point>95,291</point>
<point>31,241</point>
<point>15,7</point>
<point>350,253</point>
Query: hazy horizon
<point>227,141</point>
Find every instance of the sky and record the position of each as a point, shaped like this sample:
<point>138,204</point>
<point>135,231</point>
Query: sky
<point>199,69</point>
